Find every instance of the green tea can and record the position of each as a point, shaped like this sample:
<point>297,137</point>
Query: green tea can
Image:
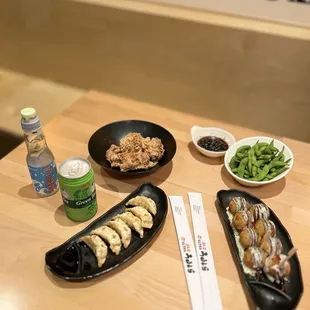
<point>78,191</point>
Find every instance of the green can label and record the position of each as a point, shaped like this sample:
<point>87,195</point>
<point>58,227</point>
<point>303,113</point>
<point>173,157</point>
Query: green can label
<point>76,181</point>
<point>77,204</point>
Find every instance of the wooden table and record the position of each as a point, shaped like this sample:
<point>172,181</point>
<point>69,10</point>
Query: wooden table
<point>30,225</point>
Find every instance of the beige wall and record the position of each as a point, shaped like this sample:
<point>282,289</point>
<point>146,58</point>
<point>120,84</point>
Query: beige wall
<point>251,79</point>
<point>275,10</point>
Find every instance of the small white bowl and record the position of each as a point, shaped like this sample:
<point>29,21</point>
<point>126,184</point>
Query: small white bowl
<point>251,141</point>
<point>200,132</point>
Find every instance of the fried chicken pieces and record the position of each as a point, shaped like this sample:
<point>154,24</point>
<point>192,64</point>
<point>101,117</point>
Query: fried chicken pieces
<point>135,152</point>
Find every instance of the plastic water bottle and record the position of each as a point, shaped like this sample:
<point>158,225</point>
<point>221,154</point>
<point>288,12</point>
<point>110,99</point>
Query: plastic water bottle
<point>40,159</point>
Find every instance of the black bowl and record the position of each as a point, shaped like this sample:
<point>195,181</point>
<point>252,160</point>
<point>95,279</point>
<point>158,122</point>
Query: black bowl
<point>112,133</point>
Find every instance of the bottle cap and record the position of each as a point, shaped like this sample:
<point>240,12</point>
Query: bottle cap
<point>30,121</point>
<point>28,114</point>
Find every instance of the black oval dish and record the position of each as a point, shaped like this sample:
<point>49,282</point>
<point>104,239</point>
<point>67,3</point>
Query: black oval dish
<point>112,133</point>
<point>74,261</point>
<point>264,293</point>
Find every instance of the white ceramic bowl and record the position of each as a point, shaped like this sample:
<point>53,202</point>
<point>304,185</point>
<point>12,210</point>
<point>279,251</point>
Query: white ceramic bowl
<point>200,132</point>
<point>251,141</point>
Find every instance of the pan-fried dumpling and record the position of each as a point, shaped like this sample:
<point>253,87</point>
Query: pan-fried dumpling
<point>122,229</point>
<point>144,202</point>
<point>143,215</point>
<point>132,221</point>
<point>110,236</point>
<point>98,247</point>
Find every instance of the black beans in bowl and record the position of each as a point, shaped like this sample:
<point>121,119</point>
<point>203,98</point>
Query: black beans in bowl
<point>213,144</point>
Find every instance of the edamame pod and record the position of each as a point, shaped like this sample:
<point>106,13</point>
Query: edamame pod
<point>258,153</point>
<point>288,161</point>
<point>241,167</point>
<point>265,157</point>
<point>260,162</point>
<point>233,163</point>
<point>241,149</point>
<point>280,154</point>
<point>277,163</point>
<point>240,155</point>
<point>250,153</point>
<point>282,157</point>
<point>272,147</point>
<point>267,151</point>
<point>256,148</point>
<point>278,171</point>
<point>254,161</point>
<point>268,177</point>
<point>263,173</point>
<point>250,164</point>
<point>260,144</point>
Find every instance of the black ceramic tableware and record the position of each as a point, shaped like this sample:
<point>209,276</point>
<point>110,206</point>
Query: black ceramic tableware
<point>112,133</point>
<point>74,261</point>
<point>264,293</point>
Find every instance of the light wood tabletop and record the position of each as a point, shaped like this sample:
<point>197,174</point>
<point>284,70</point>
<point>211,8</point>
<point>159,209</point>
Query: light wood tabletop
<point>30,225</point>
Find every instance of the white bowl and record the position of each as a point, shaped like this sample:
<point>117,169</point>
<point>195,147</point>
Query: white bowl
<point>251,141</point>
<point>200,132</point>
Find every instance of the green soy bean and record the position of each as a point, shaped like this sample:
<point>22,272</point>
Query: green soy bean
<point>280,154</point>
<point>263,173</point>
<point>288,161</point>
<point>250,164</point>
<point>268,177</point>
<point>240,155</point>
<point>234,170</point>
<point>258,153</point>
<point>254,160</point>
<point>250,155</point>
<point>242,166</point>
<point>282,157</point>
<point>260,162</point>
<point>241,149</point>
<point>265,157</point>
<point>277,163</point>
<point>260,144</point>
<point>267,151</point>
<point>278,171</point>
<point>233,163</point>
<point>256,146</point>
<point>272,147</point>
<point>254,170</point>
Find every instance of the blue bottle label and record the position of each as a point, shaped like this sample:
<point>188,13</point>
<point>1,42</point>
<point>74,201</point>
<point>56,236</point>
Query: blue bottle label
<point>44,179</point>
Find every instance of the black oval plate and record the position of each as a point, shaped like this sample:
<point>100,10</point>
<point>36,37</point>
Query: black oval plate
<point>264,293</point>
<point>112,133</point>
<point>74,261</point>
